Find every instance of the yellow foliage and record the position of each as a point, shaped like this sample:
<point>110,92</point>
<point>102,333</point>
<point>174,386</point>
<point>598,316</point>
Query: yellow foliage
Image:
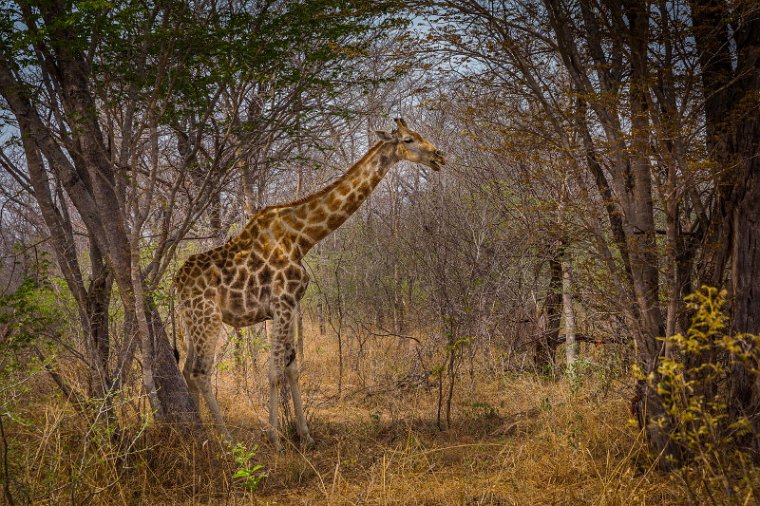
<point>691,383</point>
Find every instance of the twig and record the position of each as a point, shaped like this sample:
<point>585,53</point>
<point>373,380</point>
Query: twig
<point>71,395</point>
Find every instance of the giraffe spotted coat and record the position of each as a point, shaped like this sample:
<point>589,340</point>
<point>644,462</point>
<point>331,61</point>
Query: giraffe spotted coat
<point>258,275</point>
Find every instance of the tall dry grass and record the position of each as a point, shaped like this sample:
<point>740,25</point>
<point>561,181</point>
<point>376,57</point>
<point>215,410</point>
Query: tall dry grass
<point>514,440</point>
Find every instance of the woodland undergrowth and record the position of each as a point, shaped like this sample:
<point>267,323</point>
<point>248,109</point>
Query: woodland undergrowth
<point>515,438</point>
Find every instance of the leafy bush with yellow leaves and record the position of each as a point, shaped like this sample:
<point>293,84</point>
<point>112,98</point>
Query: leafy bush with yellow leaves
<point>692,383</point>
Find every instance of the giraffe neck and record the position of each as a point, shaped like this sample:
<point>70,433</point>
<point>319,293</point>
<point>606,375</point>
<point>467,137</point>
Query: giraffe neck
<point>325,211</point>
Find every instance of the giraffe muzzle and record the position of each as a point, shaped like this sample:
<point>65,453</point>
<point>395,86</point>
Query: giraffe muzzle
<point>437,161</point>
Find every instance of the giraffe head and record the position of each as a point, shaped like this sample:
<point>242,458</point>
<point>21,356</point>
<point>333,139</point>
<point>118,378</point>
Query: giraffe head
<point>412,147</point>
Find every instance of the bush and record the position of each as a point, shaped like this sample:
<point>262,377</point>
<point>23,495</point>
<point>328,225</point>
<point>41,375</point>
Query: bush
<point>692,383</point>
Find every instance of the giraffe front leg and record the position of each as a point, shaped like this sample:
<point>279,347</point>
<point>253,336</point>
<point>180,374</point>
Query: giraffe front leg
<point>281,340</point>
<point>299,331</point>
<point>275,380</point>
<point>283,360</point>
<point>292,373</point>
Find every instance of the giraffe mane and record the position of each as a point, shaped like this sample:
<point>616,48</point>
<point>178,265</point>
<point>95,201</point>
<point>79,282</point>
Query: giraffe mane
<point>327,188</point>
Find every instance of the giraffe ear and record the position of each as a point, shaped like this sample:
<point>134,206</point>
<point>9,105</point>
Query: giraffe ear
<point>385,135</point>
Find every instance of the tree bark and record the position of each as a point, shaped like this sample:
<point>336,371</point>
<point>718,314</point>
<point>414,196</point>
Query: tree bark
<point>641,231</point>
<point>728,39</point>
<point>173,395</point>
<point>744,395</point>
<point>547,342</point>
<point>569,313</point>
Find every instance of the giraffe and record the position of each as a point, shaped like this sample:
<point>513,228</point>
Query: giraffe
<point>258,275</point>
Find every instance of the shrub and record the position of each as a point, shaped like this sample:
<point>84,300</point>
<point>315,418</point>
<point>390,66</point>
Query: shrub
<point>692,384</point>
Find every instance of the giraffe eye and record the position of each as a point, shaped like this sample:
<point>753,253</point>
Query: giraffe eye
<point>409,140</point>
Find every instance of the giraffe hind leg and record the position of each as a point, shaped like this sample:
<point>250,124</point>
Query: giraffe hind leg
<point>204,385</point>
<point>187,369</point>
<point>189,358</point>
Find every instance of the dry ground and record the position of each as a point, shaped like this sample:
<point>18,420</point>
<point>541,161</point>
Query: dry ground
<point>517,439</point>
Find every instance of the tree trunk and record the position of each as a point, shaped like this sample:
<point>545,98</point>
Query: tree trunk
<point>98,301</point>
<point>640,232</point>
<point>176,404</point>
<point>546,343</point>
<point>728,39</point>
<point>567,304</point>
<point>744,383</point>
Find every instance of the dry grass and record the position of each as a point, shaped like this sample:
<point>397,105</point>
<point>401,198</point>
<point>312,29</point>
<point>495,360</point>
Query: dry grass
<point>514,440</point>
